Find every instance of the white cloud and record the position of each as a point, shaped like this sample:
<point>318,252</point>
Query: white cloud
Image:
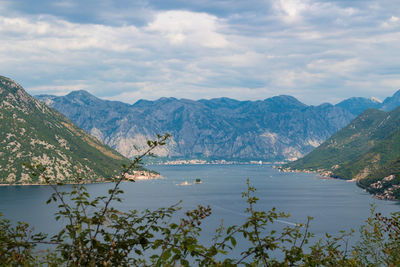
<point>49,33</point>
<point>298,12</point>
<point>394,19</point>
<point>189,27</point>
<point>290,10</point>
<point>393,83</point>
<point>153,91</point>
<point>308,49</point>
<point>239,60</point>
<point>58,89</point>
<point>392,22</point>
<point>342,67</point>
<point>296,78</point>
<point>381,87</point>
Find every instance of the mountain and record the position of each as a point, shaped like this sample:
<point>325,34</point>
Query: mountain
<point>273,129</point>
<point>356,105</point>
<point>32,132</point>
<point>367,150</point>
<point>391,103</point>
<point>351,141</point>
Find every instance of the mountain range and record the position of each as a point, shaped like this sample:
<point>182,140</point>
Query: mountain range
<point>367,149</point>
<point>274,129</point>
<point>34,133</point>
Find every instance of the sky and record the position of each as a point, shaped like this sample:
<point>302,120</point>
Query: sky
<point>126,50</point>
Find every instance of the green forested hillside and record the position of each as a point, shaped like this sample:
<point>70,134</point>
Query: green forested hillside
<point>32,132</point>
<point>379,155</point>
<point>348,143</point>
<point>367,150</point>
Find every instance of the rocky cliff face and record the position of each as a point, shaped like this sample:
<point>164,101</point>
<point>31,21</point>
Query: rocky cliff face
<point>276,128</point>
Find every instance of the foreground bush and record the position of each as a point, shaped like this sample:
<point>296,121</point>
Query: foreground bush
<point>96,234</point>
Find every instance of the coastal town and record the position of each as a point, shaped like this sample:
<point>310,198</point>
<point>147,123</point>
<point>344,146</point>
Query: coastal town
<point>388,192</point>
<point>381,189</point>
<point>321,172</point>
<point>214,162</point>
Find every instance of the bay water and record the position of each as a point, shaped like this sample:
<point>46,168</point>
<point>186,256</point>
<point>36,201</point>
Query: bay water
<point>335,204</point>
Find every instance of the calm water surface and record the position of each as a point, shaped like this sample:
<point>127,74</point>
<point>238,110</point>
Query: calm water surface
<point>335,204</point>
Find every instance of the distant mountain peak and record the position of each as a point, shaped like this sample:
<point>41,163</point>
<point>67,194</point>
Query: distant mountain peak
<point>392,102</point>
<point>167,99</point>
<point>375,99</point>
<point>80,93</point>
<point>397,93</point>
<point>221,100</point>
<point>82,96</point>
<point>287,97</point>
<point>285,102</point>
<point>356,105</point>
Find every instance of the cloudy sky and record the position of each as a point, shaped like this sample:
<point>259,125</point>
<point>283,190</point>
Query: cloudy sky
<point>318,51</point>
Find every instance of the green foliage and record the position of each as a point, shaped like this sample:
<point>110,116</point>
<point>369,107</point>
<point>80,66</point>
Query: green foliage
<point>17,243</point>
<point>380,241</point>
<point>97,234</point>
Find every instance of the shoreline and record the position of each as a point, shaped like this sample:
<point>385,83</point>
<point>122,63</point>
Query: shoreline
<point>39,184</point>
<point>325,175</point>
<point>148,176</point>
<point>138,177</point>
<point>215,162</point>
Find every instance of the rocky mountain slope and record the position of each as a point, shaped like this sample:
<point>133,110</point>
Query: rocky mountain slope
<point>353,140</point>
<point>32,132</point>
<point>274,129</point>
<point>368,150</point>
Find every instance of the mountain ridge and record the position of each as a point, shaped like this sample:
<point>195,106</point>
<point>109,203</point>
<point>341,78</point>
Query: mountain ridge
<point>273,129</point>
<point>395,99</point>
<point>33,132</point>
